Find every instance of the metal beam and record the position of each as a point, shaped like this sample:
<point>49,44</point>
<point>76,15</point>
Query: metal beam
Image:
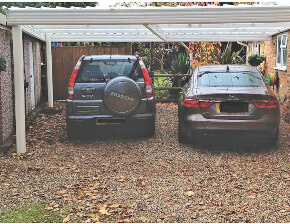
<point>97,31</point>
<point>104,38</point>
<point>153,38</point>
<point>225,25</point>
<point>217,37</point>
<point>155,29</point>
<point>43,27</point>
<point>169,26</point>
<point>280,31</point>
<point>164,33</point>
<point>33,32</point>
<point>148,15</point>
<point>19,89</point>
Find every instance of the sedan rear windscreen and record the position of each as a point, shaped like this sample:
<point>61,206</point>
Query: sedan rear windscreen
<point>229,79</point>
<point>100,70</point>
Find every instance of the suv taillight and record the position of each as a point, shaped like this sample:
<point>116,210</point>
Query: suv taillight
<point>148,87</point>
<point>72,80</point>
<point>266,103</point>
<point>195,103</point>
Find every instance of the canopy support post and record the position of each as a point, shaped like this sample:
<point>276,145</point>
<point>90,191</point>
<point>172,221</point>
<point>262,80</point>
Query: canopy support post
<point>49,70</point>
<point>19,89</point>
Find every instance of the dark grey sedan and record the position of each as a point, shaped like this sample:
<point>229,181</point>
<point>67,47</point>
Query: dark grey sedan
<point>225,100</point>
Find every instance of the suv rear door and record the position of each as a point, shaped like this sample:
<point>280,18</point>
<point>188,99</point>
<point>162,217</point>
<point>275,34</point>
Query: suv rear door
<point>92,79</point>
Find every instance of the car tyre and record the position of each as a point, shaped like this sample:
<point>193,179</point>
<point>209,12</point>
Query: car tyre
<point>273,142</point>
<point>71,130</point>
<point>182,136</point>
<point>150,128</point>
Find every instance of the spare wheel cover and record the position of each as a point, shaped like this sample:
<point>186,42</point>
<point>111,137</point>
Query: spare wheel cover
<point>122,96</point>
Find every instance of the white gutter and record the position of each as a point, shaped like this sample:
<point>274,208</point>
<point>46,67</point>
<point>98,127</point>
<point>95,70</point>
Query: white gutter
<point>148,15</point>
<point>3,19</point>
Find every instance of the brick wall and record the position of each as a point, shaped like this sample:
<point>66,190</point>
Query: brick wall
<point>268,49</point>
<point>6,88</point>
<point>7,81</point>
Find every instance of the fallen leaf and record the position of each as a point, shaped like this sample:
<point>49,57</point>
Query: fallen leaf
<point>114,206</point>
<point>190,193</point>
<point>122,177</point>
<point>80,214</point>
<point>165,199</point>
<point>193,216</point>
<point>146,196</point>
<point>95,219</point>
<point>144,219</point>
<point>104,211</point>
<point>66,219</point>
<point>252,196</point>
<point>49,208</point>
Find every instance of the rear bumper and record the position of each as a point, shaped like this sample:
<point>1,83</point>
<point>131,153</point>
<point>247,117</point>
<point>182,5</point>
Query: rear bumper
<point>196,123</point>
<point>95,117</point>
<point>143,114</point>
<point>92,109</point>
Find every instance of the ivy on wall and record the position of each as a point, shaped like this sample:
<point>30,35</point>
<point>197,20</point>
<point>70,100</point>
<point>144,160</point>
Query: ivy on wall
<point>2,63</point>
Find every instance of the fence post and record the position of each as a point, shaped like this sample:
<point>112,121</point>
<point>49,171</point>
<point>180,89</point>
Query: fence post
<point>179,85</point>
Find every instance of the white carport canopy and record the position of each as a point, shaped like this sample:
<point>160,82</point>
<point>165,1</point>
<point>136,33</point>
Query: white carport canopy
<point>142,24</point>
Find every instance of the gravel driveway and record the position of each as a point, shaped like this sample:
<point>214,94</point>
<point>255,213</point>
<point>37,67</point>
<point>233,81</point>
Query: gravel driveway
<point>147,180</point>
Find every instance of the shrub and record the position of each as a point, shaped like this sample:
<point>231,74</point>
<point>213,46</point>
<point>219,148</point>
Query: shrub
<point>181,64</point>
<point>255,59</point>
<point>145,59</point>
<point>227,56</point>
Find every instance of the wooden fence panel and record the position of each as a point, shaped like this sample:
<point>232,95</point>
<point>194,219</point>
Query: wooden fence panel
<point>93,50</point>
<point>65,58</point>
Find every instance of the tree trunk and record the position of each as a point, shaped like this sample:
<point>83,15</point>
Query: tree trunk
<point>151,56</point>
<point>162,71</point>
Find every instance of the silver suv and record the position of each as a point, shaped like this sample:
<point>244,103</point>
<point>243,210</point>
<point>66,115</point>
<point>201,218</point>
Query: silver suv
<point>110,89</point>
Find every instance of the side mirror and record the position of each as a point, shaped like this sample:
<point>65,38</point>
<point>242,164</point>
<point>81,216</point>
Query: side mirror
<point>151,74</point>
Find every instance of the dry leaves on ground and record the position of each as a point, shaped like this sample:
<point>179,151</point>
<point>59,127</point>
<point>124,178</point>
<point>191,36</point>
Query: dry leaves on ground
<point>146,180</point>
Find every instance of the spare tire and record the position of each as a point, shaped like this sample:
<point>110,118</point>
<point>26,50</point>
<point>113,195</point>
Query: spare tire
<point>122,96</point>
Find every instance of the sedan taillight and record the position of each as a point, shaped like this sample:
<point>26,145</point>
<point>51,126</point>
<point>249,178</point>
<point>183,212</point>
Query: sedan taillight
<point>196,103</point>
<point>266,103</point>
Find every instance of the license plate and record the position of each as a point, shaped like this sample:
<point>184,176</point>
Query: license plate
<point>234,107</point>
<point>108,121</point>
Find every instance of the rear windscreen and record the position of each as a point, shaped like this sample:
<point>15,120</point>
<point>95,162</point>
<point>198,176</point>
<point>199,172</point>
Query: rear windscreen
<point>229,79</point>
<point>101,70</point>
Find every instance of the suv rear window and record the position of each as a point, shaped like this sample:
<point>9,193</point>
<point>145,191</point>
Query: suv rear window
<point>102,70</point>
<point>229,79</point>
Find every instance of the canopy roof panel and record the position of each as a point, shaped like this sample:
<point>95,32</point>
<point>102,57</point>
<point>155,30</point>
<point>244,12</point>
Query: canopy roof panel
<point>149,24</point>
